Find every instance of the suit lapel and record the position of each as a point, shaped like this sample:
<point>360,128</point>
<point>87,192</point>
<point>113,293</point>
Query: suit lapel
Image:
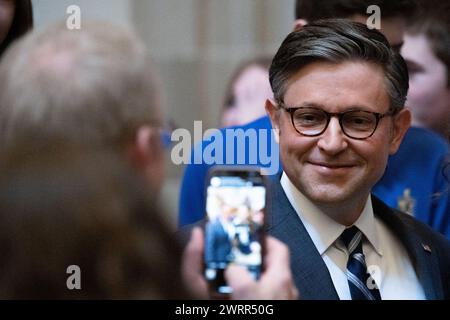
<point>422,254</point>
<point>310,273</point>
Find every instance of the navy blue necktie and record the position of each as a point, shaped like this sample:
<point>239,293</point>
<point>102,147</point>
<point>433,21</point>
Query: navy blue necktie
<point>357,275</point>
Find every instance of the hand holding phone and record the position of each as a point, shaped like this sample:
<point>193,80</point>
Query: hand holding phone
<point>234,229</point>
<point>276,280</point>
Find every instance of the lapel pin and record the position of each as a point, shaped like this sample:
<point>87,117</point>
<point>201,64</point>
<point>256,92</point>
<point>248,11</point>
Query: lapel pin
<point>406,202</point>
<point>426,247</point>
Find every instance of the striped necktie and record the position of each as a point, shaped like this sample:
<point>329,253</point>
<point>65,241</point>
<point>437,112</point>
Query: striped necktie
<point>357,275</point>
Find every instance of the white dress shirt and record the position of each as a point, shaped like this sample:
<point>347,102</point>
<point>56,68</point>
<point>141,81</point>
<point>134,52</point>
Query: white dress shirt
<point>386,258</point>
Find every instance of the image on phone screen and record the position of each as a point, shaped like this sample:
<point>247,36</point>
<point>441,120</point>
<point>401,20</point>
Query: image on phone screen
<point>233,231</point>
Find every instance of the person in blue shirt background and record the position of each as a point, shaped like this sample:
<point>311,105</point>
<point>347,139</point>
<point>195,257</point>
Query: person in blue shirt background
<point>414,179</point>
<point>418,173</point>
<point>426,50</point>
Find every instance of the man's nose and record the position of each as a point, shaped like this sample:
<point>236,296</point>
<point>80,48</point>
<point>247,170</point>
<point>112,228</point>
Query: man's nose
<point>333,140</point>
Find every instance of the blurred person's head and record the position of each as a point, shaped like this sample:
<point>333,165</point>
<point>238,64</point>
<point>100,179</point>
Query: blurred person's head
<point>427,54</point>
<point>63,205</point>
<point>247,92</point>
<point>393,14</point>
<point>16,18</point>
<point>91,86</point>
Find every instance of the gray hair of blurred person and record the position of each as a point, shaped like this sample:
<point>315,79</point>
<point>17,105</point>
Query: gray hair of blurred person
<point>336,41</point>
<point>94,85</point>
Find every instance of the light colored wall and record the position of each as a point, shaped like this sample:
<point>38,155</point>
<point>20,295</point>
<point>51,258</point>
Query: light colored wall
<point>195,45</point>
<point>198,43</point>
<point>118,11</point>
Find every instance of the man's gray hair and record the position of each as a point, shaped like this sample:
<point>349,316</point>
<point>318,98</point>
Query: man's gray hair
<point>94,85</point>
<point>337,40</point>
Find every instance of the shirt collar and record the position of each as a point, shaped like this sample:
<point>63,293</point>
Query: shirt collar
<point>366,223</point>
<point>323,230</point>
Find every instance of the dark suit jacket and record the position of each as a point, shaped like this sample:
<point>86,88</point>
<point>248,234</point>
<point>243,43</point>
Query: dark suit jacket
<point>429,251</point>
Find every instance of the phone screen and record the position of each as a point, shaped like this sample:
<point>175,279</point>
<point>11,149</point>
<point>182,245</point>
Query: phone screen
<point>235,223</point>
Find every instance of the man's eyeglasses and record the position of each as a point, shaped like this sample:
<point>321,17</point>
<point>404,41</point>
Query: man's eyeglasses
<point>355,124</point>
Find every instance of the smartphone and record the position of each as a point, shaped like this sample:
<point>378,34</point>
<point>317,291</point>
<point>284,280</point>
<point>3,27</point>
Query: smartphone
<point>236,199</point>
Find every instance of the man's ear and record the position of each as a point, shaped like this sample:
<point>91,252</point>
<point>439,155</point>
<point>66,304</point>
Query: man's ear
<point>402,122</point>
<point>273,111</point>
<point>147,156</point>
<point>299,23</point>
<point>146,147</point>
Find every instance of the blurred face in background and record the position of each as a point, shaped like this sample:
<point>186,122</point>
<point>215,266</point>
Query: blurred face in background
<point>392,28</point>
<point>250,91</point>
<point>7,10</point>
<point>429,92</point>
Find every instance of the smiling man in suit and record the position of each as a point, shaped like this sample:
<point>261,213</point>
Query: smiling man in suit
<point>413,180</point>
<point>338,111</point>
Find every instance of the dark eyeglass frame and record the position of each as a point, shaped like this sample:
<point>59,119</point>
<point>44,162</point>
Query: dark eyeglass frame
<point>340,115</point>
